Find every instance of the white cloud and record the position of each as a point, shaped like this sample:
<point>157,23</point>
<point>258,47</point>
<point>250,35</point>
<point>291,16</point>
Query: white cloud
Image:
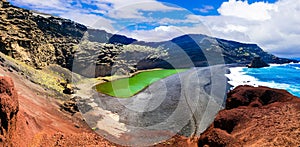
<point>205,9</point>
<point>275,27</point>
<point>254,11</point>
<point>134,10</point>
<point>58,5</point>
<point>164,33</point>
<point>70,9</point>
<point>91,20</point>
<point>161,33</point>
<point>130,10</point>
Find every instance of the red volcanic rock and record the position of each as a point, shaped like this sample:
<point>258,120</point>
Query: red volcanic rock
<point>256,116</point>
<point>9,108</point>
<point>255,97</point>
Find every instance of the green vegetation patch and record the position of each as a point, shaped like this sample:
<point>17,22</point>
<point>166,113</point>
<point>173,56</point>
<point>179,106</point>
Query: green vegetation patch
<point>127,87</point>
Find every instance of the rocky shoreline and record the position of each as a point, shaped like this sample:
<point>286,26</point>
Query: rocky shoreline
<point>255,116</point>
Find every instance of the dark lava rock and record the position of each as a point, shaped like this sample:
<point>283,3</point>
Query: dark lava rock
<point>68,90</point>
<point>256,116</point>
<point>9,107</point>
<point>257,62</point>
<point>70,105</point>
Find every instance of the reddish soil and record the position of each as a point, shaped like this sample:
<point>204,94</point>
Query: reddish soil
<point>39,120</point>
<point>256,116</point>
<point>35,119</point>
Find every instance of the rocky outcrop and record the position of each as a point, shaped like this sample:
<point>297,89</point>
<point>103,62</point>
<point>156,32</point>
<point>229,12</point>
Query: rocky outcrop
<point>9,107</point>
<point>37,40</point>
<point>257,62</point>
<point>256,116</point>
<point>100,59</point>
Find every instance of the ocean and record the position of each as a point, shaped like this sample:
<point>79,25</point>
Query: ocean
<point>284,76</point>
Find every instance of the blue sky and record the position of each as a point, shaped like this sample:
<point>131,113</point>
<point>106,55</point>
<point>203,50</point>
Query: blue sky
<point>205,7</point>
<point>272,24</point>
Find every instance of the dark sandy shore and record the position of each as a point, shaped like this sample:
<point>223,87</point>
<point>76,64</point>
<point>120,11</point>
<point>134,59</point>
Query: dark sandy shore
<point>185,104</point>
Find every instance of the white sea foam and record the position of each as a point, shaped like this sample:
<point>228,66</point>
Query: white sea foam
<point>285,64</point>
<point>277,64</point>
<point>238,77</point>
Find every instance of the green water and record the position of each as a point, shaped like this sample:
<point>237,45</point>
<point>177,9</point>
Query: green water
<point>127,87</point>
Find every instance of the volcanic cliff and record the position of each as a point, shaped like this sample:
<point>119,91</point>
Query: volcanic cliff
<point>256,116</point>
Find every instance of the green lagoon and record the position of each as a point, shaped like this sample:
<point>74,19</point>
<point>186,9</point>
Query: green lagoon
<point>127,87</point>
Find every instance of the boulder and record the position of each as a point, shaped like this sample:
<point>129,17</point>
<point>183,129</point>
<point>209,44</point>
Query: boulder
<point>68,89</point>
<point>257,62</point>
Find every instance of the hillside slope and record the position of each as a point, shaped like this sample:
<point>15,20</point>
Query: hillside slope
<point>40,40</point>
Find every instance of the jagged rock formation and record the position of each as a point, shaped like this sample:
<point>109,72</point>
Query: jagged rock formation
<point>9,107</point>
<point>257,62</point>
<point>36,40</point>
<point>256,116</point>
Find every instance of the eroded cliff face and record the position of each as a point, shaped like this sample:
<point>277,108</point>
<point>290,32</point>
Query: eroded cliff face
<point>9,107</point>
<point>35,39</point>
<point>256,116</point>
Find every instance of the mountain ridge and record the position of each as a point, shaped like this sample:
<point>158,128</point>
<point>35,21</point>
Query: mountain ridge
<point>40,41</point>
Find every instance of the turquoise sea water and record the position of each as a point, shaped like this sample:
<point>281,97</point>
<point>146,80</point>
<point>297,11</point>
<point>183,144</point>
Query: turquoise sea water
<point>286,76</point>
